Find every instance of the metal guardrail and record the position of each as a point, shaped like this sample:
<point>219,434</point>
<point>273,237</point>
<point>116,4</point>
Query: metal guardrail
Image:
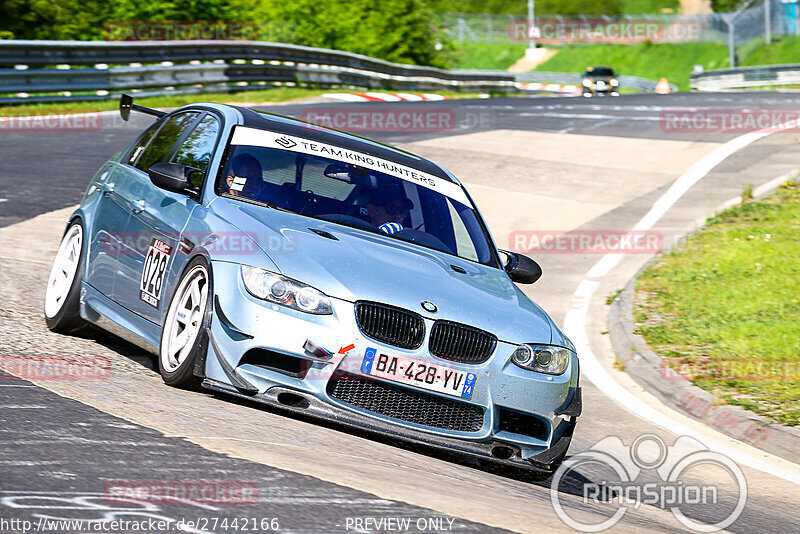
<point>51,71</point>
<point>744,77</point>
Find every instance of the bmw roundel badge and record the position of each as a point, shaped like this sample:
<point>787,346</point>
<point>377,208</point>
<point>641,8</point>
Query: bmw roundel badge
<point>429,306</point>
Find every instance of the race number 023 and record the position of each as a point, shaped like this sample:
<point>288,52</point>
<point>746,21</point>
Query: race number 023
<point>155,265</point>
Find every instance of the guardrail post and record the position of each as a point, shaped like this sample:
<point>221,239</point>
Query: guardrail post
<point>731,40</point>
<point>768,21</point>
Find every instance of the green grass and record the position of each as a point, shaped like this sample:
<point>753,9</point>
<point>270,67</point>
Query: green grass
<point>724,307</point>
<point>646,60</point>
<point>281,94</point>
<point>639,7</point>
<point>495,56</point>
<point>782,50</point>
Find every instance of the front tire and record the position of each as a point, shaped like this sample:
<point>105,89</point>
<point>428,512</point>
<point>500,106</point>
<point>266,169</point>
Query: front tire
<point>62,298</point>
<point>183,337</point>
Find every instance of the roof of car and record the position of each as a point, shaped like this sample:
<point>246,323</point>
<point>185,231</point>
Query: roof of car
<point>295,127</point>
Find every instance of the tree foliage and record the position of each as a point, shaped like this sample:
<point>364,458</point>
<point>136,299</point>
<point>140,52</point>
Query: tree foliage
<point>520,7</point>
<point>404,31</point>
<point>87,19</point>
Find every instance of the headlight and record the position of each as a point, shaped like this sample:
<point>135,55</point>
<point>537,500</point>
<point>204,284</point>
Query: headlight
<point>614,82</point>
<point>587,83</point>
<point>285,291</point>
<point>542,358</point>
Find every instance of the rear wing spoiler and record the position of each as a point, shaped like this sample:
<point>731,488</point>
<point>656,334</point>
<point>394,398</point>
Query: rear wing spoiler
<point>126,105</point>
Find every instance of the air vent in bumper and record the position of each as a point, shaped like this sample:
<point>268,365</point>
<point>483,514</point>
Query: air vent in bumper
<point>405,404</point>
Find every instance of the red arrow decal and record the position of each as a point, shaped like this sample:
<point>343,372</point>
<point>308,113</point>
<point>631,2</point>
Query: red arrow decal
<point>344,350</point>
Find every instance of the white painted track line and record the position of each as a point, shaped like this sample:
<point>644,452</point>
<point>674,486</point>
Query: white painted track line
<point>679,188</point>
<point>575,326</point>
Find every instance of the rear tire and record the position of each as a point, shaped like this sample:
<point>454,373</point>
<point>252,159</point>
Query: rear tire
<point>185,331</point>
<point>62,308</point>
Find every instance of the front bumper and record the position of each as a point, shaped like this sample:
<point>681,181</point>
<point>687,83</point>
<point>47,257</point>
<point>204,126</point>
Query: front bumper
<point>242,325</point>
<point>496,451</point>
<point>594,90</point>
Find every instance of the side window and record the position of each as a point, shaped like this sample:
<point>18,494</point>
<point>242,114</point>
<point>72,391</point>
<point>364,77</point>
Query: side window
<point>160,148</point>
<point>464,244</point>
<point>197,149</point>
<point>142,142</point>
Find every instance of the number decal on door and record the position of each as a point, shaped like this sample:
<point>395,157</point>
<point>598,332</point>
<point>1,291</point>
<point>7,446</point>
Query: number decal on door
<point>155,265</point>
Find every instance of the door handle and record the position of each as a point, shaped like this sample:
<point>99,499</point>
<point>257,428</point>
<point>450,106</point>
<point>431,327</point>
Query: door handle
<point>108,188</point>
<point>138,206</point>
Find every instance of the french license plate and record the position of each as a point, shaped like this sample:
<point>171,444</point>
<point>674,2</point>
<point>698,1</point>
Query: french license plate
<point>418,373</point>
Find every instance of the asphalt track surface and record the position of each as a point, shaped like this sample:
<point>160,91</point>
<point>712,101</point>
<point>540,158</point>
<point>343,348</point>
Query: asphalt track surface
<point>61,161</point>
<point>57,454</point>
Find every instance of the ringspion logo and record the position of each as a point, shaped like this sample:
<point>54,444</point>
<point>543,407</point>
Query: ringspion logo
<point>650,472</point>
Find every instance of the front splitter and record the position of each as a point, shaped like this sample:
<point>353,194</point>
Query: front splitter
<point>496,452</point>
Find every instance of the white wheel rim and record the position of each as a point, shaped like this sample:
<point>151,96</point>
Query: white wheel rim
<point>184,319</point>
<point>63,272</point>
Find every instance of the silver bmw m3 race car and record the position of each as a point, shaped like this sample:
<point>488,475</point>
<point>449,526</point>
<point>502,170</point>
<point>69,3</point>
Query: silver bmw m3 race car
<point>315,270</point>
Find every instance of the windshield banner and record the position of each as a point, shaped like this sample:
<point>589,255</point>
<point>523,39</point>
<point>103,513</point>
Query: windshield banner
<point>255,137</point>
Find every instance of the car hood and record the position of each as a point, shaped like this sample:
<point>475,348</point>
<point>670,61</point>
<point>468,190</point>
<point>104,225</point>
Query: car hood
<point>360,265</point>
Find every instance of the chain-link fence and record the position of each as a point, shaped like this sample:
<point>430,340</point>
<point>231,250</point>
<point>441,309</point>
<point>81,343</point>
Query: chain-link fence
<point>747,24</point>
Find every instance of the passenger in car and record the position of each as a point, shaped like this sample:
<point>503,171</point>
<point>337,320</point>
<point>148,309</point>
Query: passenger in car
<point>245,176</point>
<point>388,212</point>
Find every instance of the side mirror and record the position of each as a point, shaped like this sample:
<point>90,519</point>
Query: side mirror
<point>173,177</point>
<point>521,269</point>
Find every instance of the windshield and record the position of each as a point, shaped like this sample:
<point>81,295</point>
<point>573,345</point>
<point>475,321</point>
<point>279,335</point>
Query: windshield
<point>346,187</point>
<point>600,71</point>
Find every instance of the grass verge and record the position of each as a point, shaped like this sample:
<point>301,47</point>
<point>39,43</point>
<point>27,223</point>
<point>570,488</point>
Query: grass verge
<point>264,96</point>
<point>723,308</point>
<point>492,56</point>
<point>783,49</point>
<point>640,7</point>
<point>279,94</point>
<point>646,60</point>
